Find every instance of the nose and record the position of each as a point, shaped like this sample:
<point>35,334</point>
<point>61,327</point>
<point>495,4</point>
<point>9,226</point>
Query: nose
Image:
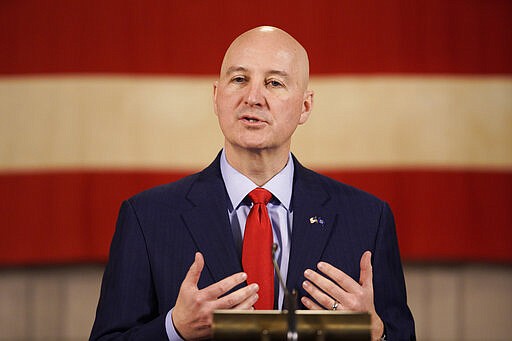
<point>255,96</point>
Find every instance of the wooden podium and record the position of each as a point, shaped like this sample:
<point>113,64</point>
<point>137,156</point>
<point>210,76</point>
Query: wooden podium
<point>270,325</point>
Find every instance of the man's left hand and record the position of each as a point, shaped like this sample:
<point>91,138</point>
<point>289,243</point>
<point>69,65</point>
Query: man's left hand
<point>338,291</point>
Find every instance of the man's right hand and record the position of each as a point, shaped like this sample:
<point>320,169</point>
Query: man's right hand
<point>193,313</point>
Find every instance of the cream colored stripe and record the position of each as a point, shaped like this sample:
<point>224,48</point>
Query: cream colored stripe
<point>410,121</point>
<point>168,122</point>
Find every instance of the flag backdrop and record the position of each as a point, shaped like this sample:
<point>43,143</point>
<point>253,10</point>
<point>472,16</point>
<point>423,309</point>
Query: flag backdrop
<point>102,99</point>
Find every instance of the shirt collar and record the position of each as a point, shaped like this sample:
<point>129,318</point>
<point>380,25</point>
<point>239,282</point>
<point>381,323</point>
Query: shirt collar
<point>238,185</point>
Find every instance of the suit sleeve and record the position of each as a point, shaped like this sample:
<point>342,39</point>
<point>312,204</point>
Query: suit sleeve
<point>127,308</point>
<point>388,282</point>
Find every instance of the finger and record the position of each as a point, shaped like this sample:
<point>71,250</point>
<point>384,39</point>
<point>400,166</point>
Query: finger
<point>321,297</point>
<point>223,286</point>
<point>248,304</point>
<point>342,279</point>
<point>237,297</point>
<point>194,272</point>
<point>366,275</point>
<point>326,285</point>
<point>310,304</point>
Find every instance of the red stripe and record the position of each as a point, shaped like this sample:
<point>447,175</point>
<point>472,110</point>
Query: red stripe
<point>445,215</point>
<point>440,215</point>
<point>189,37</point>
<point>65,217</point>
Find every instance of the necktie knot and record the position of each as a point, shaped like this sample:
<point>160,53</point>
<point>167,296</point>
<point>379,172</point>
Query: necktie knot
<point>260,196</point>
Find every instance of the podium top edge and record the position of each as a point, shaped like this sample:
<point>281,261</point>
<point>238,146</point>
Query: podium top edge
<point>280,312</point>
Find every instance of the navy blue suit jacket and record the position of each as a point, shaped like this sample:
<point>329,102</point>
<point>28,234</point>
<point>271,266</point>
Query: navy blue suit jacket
<point>158,232</point>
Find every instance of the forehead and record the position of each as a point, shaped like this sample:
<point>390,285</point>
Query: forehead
<point>261,56</point>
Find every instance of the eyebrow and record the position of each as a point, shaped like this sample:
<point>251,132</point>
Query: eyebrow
<point>234,69</point>
<point>279,73</point>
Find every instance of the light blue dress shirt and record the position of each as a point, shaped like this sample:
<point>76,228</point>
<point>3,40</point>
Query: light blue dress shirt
<point>281,217</point>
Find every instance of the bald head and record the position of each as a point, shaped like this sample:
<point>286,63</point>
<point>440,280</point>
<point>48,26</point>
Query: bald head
<point>269,41</point>
<point>261,97</point>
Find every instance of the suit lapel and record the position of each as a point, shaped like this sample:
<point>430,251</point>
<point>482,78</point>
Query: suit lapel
<point>209,225</point>
<point>313,222</point>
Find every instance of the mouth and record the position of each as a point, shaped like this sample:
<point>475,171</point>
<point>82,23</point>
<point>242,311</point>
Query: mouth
<point>252,119</point>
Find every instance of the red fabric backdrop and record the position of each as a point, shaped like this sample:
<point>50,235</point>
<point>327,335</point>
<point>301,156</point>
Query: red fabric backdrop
<point>69,216</point>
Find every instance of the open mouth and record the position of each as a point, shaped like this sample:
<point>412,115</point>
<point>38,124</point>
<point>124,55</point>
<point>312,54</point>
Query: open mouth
<point>251,119</point>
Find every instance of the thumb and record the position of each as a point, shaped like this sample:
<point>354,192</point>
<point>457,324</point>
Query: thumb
<point>366,275</point>
<point>194,272</point>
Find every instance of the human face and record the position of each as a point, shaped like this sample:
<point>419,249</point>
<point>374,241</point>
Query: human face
<point>261,96</point>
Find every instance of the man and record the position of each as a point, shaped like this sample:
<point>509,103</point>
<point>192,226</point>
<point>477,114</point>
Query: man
<point>336,244</point>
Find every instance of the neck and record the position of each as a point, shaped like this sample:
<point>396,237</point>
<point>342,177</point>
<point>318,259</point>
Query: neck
<point>258,165</point>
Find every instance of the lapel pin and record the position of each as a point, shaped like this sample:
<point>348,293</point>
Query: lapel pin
<point>317,220</point>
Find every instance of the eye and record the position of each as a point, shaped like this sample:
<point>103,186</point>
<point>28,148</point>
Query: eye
<point>238,79</point>
<point>274,83</point>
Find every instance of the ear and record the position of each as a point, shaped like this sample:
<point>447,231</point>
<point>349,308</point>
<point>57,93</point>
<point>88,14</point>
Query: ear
<point>215,87</point>
<point>307,106</point>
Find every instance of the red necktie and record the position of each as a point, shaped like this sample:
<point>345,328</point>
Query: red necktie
<point>257,248</point>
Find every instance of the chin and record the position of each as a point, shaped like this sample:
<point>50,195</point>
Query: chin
<point>253,142</point>
<point>254,146</point>
<point>251,145</point>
